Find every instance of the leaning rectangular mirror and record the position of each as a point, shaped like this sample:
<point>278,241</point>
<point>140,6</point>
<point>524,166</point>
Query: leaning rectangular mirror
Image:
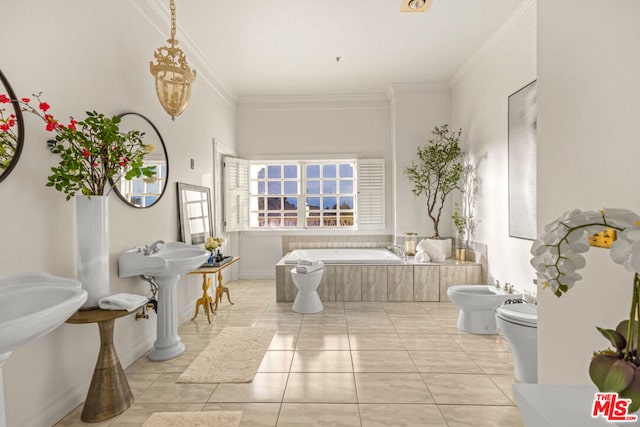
<point>194,213</point>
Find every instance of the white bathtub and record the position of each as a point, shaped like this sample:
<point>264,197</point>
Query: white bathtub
<point>344,256</point>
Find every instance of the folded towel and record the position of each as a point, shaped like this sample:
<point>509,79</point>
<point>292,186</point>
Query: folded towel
<point>305,262</point>
<point>127,302</point>
<point>306,269</point>
<point>422,256</point>
<point>434,251</point>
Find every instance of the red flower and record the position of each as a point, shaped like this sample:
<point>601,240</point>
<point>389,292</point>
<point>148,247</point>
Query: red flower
<point>95,164</point>
<point>44,106</point>
<point>27,100</point>
<point>11,122</point>
<point>4,127</point>
<point>51,122</point>
<point>4,99</point>
<point>85,153</point>
<point>72,124</point>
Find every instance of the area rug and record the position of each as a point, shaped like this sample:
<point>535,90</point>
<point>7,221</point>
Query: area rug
<point>194,419</point>
<point>233,356</point>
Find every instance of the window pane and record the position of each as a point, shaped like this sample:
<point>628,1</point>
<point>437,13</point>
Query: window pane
<point>346,186</point>
<point>313,171</point>
<point>275,187</point>
<point>261,187</point>
<point>274,171</point>
<point>257,171</point>
<point>149,200</point>
<point>138,186</point>
<point>291,187</point>
<point>261,203</point>
<point>274,204</point>
<point>313,187</point>
<point>153,187</point>
<point>163,171</point>
<point>290,203</point>
<point>346,202</point>
<point>329,203</point>
<point>328,171</point>
<point>291,171</point>
<point>329,187</point>
<point>313,202</point>
<point>346,171</point>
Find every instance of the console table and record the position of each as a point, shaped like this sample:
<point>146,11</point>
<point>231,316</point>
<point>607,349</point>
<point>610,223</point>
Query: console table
<point>206,301</point>
<point>109,393</point>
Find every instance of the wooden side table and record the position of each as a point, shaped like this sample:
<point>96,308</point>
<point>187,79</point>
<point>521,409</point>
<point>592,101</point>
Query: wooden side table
<point>205,301</point>
<point>109,393</point>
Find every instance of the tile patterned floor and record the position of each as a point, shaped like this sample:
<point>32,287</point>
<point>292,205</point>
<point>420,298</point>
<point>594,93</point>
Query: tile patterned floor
<point>354,364</point>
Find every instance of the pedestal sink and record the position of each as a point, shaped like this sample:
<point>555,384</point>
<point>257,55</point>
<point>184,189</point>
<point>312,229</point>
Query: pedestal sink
<point>32,305</point>
<point>165,262</point>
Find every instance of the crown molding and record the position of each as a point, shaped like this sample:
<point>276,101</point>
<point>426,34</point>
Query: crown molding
<point>525,10</point>
<point>159,17</point>
<point>365,101</point>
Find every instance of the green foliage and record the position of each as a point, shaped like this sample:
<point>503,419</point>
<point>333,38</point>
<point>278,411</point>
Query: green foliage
<point>437,171</point>
<point>459,221</point>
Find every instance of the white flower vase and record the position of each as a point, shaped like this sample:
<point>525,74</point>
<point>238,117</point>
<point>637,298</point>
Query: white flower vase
<point>92,225</point>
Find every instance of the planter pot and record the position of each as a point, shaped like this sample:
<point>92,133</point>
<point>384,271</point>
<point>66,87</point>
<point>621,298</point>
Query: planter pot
<point>444,245</point>
<point>92,227</point>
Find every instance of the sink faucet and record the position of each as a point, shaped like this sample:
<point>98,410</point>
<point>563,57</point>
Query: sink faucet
<point>403,254</point>
<point>152,248</point>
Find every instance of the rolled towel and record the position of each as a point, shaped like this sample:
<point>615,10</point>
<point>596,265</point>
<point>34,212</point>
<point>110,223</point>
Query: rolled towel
<point>122,301</point>
<point>306,269</point>
<point>422,256</point>
<point>305,262</point>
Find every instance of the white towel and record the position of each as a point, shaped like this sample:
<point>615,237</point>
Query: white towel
<point>422,256</point>
<point>306,269</point>
<point>305,262</point>
<point>434,251</point>
<point>127,302</point>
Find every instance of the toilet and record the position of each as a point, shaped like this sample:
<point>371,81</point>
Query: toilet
<point>518,324</point>
<point>477,304</point>
<point>307,301</point>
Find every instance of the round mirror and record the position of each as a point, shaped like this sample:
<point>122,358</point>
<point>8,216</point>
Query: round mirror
<point>144,192</point>
<point>11,128</point>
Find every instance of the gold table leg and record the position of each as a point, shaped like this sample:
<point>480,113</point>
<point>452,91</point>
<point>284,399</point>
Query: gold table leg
<point>205,300</point>
<point>221,290</point>
<point>109,393</point>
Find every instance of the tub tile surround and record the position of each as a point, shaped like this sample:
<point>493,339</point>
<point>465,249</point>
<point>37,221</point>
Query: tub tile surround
<point>314,376</point>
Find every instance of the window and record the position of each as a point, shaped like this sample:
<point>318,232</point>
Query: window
<point>303,194</point>
<point>144,191</point>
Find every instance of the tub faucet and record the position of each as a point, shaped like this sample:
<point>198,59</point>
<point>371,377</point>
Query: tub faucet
<point>152,248</point>
<point>403,254</point>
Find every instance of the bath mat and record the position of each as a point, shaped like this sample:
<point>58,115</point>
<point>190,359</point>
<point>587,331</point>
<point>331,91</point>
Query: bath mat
<point>233,356</point>
<point>194,419</point>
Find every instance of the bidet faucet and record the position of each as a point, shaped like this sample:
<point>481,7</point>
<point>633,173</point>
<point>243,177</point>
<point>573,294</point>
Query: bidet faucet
<point>152,248</point>
<point>403,254</point>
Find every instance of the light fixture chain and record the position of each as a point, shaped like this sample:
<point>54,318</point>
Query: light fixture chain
<point>173,20</point>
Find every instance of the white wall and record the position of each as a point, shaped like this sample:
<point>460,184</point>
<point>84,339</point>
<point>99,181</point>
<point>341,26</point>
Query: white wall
<point>92,55</point>
<point>588,151</point>
<point>506,63</point>
<point>280,128</point>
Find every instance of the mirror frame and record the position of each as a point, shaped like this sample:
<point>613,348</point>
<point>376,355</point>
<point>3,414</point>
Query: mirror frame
<point>166,156</point>
<point>20,123</point>
<point>184,228</point>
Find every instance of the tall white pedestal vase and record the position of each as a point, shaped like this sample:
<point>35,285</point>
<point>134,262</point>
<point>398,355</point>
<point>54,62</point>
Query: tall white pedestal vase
<point>92,226</point>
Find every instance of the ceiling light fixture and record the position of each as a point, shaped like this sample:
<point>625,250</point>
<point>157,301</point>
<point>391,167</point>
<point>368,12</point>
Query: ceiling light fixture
<point>172,73</point>
<point>415,5</point>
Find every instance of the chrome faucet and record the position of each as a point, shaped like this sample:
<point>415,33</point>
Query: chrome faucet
<point>151,248</point>
<point>403,254</point>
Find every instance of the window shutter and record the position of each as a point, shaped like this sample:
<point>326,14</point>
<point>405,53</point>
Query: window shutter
<point>236,194</point>
<point>371,193</point>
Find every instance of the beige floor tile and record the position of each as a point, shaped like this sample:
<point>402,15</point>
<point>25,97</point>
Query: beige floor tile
<point>276,361</point>
<point>505,382</point>
<point>429,342</point>
<point>391,388</point>
<point>444,362</point>
<point>330,328</point>
<point>472,343</point>
<point>165,390</point>
<point>464,389</point>
<point>73,420</point>
<point>138,413</point>
<point>139,383</point>
<point>320,388</point>
<point>363,328</point>
<point>382,361</point>
<point>145,366</point>
<point>401,415</point>
<point>253,414</point>
<point>323,342</point>
<point>281,326</point>
<point>481,416</point>
<point>493,362</point>
<point>375,342</point>
<point>265,387</point>
<point>322,361</point>
<point>283,341</point>
<point>310,414</point>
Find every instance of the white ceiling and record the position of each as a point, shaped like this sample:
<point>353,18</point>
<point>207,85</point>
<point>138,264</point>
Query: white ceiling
<point>289,47</point>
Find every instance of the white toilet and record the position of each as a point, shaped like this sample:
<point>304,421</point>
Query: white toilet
<point>307,301</point>
<point>518,324</point>
<point>477,305</point>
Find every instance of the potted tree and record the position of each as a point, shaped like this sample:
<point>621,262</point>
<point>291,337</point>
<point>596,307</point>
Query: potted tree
<point>437,172</point>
